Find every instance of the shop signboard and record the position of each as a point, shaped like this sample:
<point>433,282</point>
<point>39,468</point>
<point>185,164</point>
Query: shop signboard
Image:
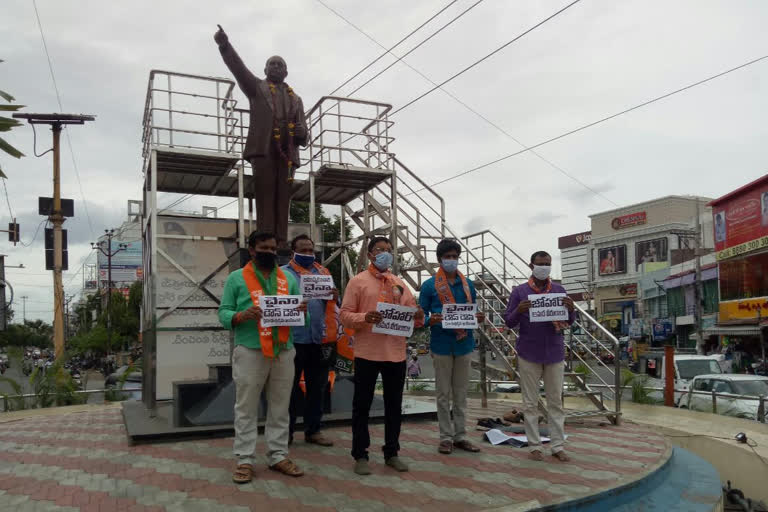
<point>568,241</point>
<point>126,262</point>
<point>633,219</point>
<point>636,328</point>
<point>662,329</point>
<point>747,309</point>
<point>741,223</point>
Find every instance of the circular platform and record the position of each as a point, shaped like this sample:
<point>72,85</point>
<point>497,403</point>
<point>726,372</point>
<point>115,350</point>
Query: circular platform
<point>84,460</point>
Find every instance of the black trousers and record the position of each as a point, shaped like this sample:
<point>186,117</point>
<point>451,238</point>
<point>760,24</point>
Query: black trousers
<point>393,379</point>
<point>309,359</point>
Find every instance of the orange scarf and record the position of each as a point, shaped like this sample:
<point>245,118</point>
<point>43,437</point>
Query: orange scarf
<point>331,308</point>
<point>445,294</point>
<point>389,291</point>
<point>267,335</point>
<point>559,324</point>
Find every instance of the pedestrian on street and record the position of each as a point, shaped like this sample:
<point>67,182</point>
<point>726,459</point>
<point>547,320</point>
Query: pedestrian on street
<point>414,368</point>
<point>377,353</point>
<point>310,361</point>
<point>541,353</point>
<point>451,348</point>
<point>262,357</point>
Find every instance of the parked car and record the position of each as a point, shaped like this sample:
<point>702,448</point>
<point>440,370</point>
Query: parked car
<point>727,384</point>
<point>686,368</point>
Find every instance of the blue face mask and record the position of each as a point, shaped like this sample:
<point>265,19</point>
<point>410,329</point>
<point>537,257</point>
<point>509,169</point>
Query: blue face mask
<point>305,260</point>
<point>450,265</point>
<point>383,261</point>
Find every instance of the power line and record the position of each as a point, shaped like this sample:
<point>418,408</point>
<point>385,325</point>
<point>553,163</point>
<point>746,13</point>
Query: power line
<point>400,59</point>
<point>461,102</point>
<point>61,108</point>
<point>438,13</point>
<point>494,52</point>
<point>599,121</point>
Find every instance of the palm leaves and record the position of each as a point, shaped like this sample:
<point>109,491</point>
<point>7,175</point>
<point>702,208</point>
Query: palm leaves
<point>7,123</point>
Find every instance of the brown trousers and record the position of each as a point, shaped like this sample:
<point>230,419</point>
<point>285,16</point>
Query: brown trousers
<point>272,192</point>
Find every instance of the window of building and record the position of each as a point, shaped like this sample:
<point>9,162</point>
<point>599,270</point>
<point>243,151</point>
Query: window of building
<point>744,278</point>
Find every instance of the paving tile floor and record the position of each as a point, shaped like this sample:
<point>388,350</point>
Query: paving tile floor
<point>83,461</point>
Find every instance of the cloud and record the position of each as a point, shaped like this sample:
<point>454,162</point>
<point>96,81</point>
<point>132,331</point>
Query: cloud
<point>544,218</point>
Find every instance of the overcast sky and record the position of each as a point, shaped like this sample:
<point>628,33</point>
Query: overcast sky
<point>597,58</point>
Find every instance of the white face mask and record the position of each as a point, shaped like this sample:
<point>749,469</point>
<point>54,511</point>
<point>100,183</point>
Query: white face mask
<point>541,272</point>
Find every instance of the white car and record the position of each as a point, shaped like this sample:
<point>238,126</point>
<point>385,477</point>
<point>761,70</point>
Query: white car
<point>686,368</point>
<point>727,384</point>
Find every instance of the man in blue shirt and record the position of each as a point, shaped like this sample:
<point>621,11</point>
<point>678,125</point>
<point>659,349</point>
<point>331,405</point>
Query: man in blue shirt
<point>310,360</point>
<point>451,348</point>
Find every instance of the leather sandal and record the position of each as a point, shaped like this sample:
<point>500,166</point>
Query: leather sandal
<point>287,467</point>
<point>445,447</point>
<point>318,439</point>
<point>561,456</point>
<point>243,474</point>
<point>466,446</point>
<point>536,455</point>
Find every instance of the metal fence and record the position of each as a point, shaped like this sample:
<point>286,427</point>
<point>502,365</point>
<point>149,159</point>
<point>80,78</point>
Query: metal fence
<point>8,398</point>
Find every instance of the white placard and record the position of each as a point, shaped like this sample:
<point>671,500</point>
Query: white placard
<point>547,307</point>
<point>459,316</point>
<point>280,311</point>
<point>317,286</point>
<point>396,320</point>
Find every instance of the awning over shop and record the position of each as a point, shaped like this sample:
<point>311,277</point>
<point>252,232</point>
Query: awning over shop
<point>733,330</point>
<point>688,278</point>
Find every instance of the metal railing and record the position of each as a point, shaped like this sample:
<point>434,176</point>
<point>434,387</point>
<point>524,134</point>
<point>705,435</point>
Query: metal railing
<point>25,396</point>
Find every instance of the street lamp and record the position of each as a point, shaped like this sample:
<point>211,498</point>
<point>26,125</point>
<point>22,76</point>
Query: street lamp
<point>109,233</point>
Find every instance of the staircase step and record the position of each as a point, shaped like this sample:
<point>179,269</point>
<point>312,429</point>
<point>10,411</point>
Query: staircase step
<point>590,414</point>
<point>580,393</point>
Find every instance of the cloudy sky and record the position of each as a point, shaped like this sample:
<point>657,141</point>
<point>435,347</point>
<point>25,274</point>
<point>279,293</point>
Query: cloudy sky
<point>597,58</point>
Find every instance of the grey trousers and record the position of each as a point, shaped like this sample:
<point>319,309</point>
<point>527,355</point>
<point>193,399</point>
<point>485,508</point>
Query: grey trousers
<point>451,382</point>
<point>253,372</point>
<point>530,375</point>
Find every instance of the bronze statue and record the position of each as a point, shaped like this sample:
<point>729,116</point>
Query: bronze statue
<point>276,129</point>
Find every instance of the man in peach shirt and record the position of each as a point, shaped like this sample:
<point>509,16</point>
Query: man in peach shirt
<point>377,353</point>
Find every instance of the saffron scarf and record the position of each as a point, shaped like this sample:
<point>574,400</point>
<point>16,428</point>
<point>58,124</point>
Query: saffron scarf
<point>389,290</point>
<point>271,338</point>
<point>559,324</point>
<point>444,293</point>
<point>331,333</point>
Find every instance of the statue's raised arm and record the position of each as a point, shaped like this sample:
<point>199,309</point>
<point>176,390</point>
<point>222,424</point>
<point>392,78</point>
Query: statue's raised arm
<point>248,82</point>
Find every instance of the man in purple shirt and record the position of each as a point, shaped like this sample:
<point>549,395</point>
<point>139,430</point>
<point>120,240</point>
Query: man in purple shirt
<point>541,353</point>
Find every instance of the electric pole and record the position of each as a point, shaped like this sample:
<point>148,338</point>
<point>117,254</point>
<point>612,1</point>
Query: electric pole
<point>109,253</point>
<point>697,294</point>
<point>24,309</point>
<point>56,121</point>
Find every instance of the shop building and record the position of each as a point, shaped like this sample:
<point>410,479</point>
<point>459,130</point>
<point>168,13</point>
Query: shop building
<point>630,242</point>
<point>741,242</point>
<point>574,266</point>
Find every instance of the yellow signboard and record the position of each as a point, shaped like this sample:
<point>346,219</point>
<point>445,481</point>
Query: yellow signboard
<point>744,309</point>
<point>752,245</point>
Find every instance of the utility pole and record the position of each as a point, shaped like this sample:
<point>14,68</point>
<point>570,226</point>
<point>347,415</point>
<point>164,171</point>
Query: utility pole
<point>109,253</point>
<point>56,121</point>
<point>66,312</point>
<point>697,292</point>
<point>24,309</point>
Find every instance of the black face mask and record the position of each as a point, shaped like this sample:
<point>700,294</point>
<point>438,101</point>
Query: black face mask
<point>265,259</point>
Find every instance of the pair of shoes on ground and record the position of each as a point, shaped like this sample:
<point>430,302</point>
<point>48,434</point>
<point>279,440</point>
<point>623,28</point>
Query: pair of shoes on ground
<point>446,447</point>
<point>244,472</point>
<point>362,467</point>
<point>492,423</point>
<point>538,456</point>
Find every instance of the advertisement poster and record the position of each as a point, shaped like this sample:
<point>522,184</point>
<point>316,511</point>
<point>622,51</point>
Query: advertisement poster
<point>547,307</point>
<point>612,260</point>
<point>317,286</point>
<point>741,223</point>
<point>651,251</point>
<point>126,262</point>
<point>280,311</point>
<point>396,320</point>
<point>459,316</point>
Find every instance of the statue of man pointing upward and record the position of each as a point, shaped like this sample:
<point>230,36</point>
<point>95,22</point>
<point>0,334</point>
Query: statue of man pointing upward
<point>276,129</point>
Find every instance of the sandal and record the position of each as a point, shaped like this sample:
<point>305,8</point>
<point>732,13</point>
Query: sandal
<point>287,467</point>
<point>466,446</point>
<point>445,447</point>
<point>243,474</point>
<point>561,456</point>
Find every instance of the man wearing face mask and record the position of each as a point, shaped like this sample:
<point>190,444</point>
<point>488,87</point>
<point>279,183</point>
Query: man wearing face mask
<point>308,342</point>
<point>262,357</point>
<point>541,353</point>
<point>451,348</point>
<point>377,353</point>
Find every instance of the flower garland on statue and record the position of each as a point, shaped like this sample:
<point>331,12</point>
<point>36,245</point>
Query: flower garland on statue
<point>291,127</point>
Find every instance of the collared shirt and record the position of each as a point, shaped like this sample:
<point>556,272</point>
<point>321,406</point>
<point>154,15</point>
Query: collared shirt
<point>538,342</point>
<point>360,297</point>
<point>443,342</point>
<point>316,307</point>
<point>236,298</point>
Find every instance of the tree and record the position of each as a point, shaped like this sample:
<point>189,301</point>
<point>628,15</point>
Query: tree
<point>35,333</point>
<point>6,124</point>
